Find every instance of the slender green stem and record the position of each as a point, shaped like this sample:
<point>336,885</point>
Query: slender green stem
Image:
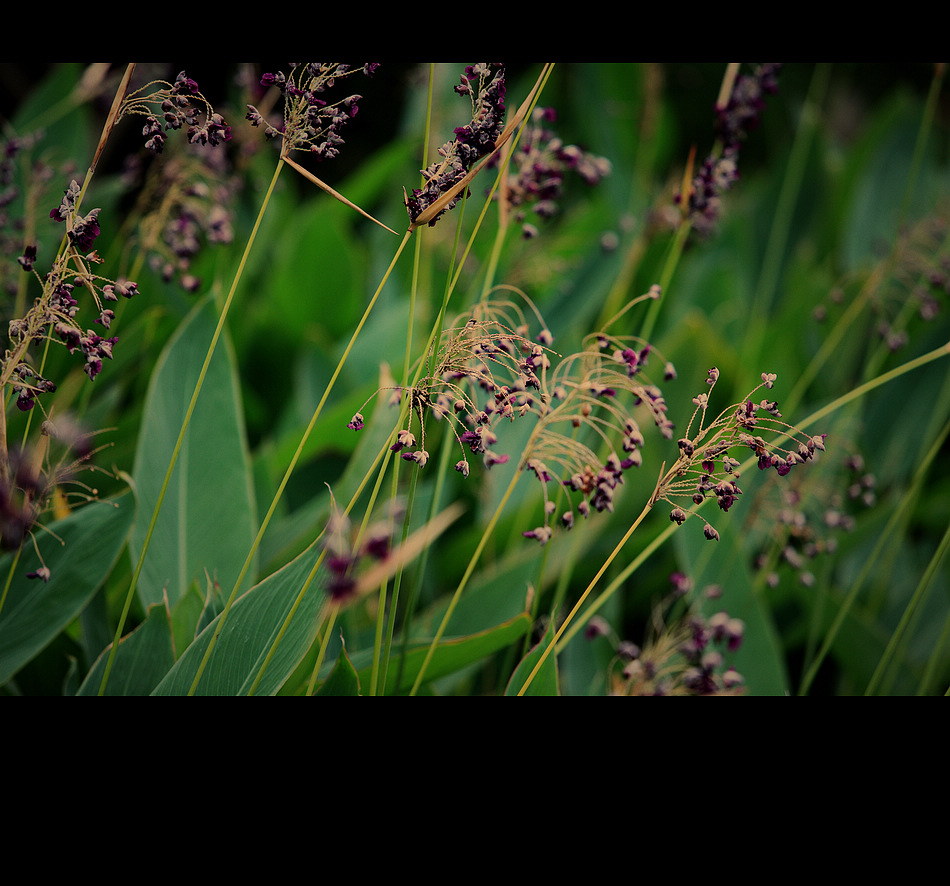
<point>669,269</point>
<point>910,615</point>
<point>323,649</point>
<point>290,468</point>
<point>407,368</point>
<point>416,586</point>
<point>383,647</point>
<point>937,657</point>
<point>926,124</point>
<point>580,602</point>
<point>464,581</point>
<point>781,219</point>
<point>181,434</point>
<point>435,337</point>
<point>9,579</point>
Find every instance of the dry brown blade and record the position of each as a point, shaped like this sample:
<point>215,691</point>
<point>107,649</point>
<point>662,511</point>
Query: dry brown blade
<point>113,117</point>
<point>321,184</point>
<point>434,209</point>
<point>687,188</point>
<point>728,82</point>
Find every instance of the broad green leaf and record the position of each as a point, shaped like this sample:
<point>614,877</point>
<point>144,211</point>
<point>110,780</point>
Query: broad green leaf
<point>269,629</point>
<point>313,277</point>
<point>251,630</point>
<point>545,682</point>
<point>35,611</point>
<point>207,522</point>
<point>142,659</point>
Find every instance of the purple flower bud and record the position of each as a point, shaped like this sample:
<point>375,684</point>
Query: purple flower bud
<point>403,439</point>
<point>28,258</point>
<point>85,230</point>
<point>420,457</point>
<point>492,459</point>
<point>185,85</point>
<point>541,533</point>
<point>105,318</point>
<point>597,627</point>
<point>628,651</point>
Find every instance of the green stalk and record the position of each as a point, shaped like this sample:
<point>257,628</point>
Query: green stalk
<point>758,316</point>
<point>464,581</point>
<point>181,436</point>
<point>283,483</point>
<point>407,364</point>
<point>943,641</point>
<point>323,650</point>
<point>912,612</point>
<point>415,587</point>
<point>580,602</point>
<point>669,269</point>
<point>434,339</point>
<point>382,648</point>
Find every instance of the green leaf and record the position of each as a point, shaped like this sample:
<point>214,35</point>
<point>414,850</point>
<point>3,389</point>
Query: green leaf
<point>343,679</point>
<point>268,630</point>
<point>80,553</point>
<point>760,659</point>
<point>141,661</point>
<point>313,278</point>
<point>207,522</point>
<point>545,682</point>
<point>249,632</point>
<point>193,613</point>
<point>450,655</point>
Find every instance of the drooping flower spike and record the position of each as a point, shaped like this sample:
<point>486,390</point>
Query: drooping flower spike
<point>539,167</point>
<point>484,371</point>
<point>592,403</point>
<point>737,114</point>
<point>311,122</point>
<point>171,106</point>
<point>484,85</point>
<point>707,466</point>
